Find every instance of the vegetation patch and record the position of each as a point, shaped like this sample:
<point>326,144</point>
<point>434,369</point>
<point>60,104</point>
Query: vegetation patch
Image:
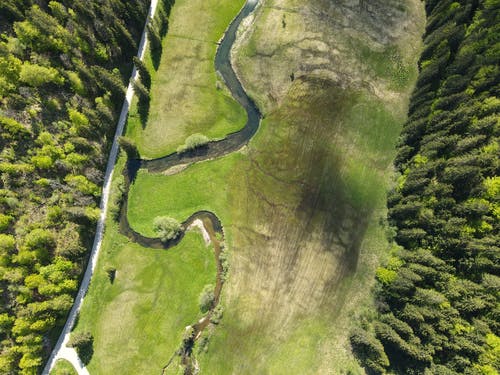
<point>185,92</point>
<point>63,367</point>
<point>83,343</point>
<point>166,228</point>
<point>207,298</point>
<point>194,141</point>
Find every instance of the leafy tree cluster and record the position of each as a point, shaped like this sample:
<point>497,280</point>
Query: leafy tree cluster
<point>166,228</point>
<point>63,69</point>
<point>438,296</point>
<point>193,142</point>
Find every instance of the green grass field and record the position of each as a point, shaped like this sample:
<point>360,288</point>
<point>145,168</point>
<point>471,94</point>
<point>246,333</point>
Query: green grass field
<point>303,210</point>
<point>63,367</point>
<point>201,186</point>
<point>138,320</point>
<point>187,95</point>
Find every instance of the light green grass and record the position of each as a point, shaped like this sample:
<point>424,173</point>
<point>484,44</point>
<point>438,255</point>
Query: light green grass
<point>228,186</point>
<point>314,175</point>
<point>63,367</point>
<point>187,96</point>
<point>202,186</point>
<point>138,320</point>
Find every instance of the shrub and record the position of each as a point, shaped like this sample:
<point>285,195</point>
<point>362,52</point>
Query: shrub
<point>111,272</point>
<point>370,351</point>
<point>36,75</point>
<point>166,227</point>
<point>128,145</point>
<point>144,74</point>
<point>207,298</point>
<point>82,184</point>
<point>75,82</point>
<point>7,247</point>
<point>217,314</point>
<point>143,100</point>
<point>40,239</point>
<point>5,221</point>
<point>192,142</point>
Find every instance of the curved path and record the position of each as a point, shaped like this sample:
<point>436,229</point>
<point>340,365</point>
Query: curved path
<point>207,221</point>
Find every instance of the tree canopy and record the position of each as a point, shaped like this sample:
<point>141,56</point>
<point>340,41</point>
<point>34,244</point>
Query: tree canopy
<point>438,296</point>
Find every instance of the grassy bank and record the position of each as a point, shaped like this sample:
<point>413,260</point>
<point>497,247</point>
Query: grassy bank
<point>63,367</point>
<point>138,319</point>
<point>187,96</point>
<point>303,208</point>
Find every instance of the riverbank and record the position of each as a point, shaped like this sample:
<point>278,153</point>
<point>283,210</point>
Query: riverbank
<point>148,289</point>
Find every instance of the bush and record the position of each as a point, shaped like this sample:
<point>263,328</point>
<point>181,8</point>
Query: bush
<point>192,142</point>
<point>143,102</point>
<point>5,221</point>
<point>40,239</point>
<point>83,343</point>
<point>166,227</point>
<point>370,351</point>
<point>36,75</point>
<point>111,272</point>
<point>217,314</point>
<point>144,74</point>
<point>207,298</point>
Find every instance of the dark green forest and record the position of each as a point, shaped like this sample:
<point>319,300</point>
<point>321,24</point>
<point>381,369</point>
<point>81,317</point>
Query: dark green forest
<point>437,298</point>
<point>64,66</point>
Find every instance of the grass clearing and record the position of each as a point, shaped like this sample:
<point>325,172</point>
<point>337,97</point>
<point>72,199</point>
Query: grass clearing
<point>186,95</point>
<point>201,186</point>
<point>300,206</point>
<point>63,367</point>
<point>138,320</point>
<point>281,205</point>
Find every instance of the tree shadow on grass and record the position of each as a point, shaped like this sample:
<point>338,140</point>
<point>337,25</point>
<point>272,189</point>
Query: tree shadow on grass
<point>143,110</point>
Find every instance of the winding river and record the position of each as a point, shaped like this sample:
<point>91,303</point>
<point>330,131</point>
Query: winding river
<point>214,149</point>
<point>207,220</point>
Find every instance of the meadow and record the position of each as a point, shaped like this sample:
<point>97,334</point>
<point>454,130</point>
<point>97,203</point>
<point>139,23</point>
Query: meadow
<point>144,310</point>
<point>138,320</point>
<point>187,95</point>
<point>302,206</point>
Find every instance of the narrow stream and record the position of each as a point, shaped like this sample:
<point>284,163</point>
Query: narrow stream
<point>233,141</point>
<point>214,149</point>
